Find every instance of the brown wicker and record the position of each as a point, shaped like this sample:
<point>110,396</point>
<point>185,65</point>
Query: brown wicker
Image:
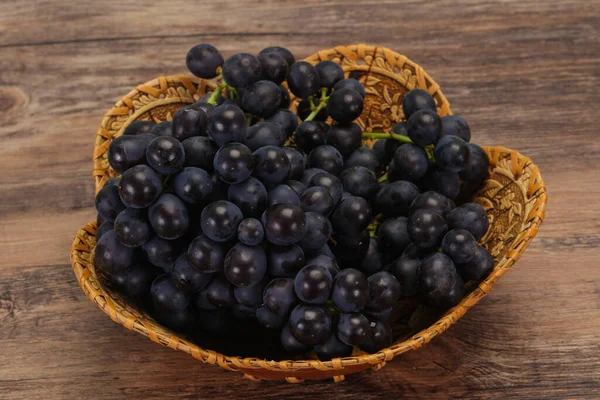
<point>514,197</point>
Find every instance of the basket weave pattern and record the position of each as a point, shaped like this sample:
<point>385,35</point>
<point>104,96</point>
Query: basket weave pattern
<point>514,197</point>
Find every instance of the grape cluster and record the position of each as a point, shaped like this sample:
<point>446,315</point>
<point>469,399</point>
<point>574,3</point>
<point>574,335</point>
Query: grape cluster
<point>242,210</point>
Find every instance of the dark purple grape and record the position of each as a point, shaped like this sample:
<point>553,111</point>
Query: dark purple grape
<point>189,122</point>
<point>285,103</point>
<point>393,236</point>
<point>305,109</point>
<point>285,261</point>
<point>414,251</point>
<point>379,337</point>
<point>111,257</point>
<point>273,66</point>
<point>359,181</point>
<point>298,187</point>
<point>193,186</point>
<point>350,248</point>
<point>471,217</point>
<point>310,324</point>
<point>350,290</point>
<point>279,296</point>
<point>427,228</point>
<point>352,216</point>
<point>285,118</point>
<point>162,252</point>
<point>206,255</point>
<point>353,328</point>
<point>351,84</point>
<point>325,261</point>
<point>345,105</point>
<point>165,155</point>
<point>233,163</point>
<point>291,344</point>
<point>384,291</point>
<point>439,282</point>
<point>409,164</point>
<point>333,348</point>
<point>415,100</point>
<point>241,70</point>
<point>309,174</point>
<point>140,186</point>
<point>102,229</point>
<point>297,162</point>
<point>373,261</point>
<point>113,181</point>
<point>250,196</point>
<point>188,278</point>
<point>478,267</point>
<point>200,301</point>
<point>329,181</point>
<point>283,194</point>
<point>265,133</point>
<point>125,152</point>
<point>282,51</point>
<point>201,105</point>
<point>432,201</point>
<point>262,98</point>
<point>456,126</point>
<point>199,152</point>
<point>345,137</point>
<point>364,157</point>
<point>245,265</point>
<point>169,217</point>
<point>203,60</point>
<point>269,319</point>
<point>136,280</point>
<point>271,164</point>
<point>444,182</point>
<point>166,297</point>
<point>303,79</point>
<point>219,292</point>
<point>317,233</point>
<point>284,224</point>
<point>395,199</point>
<point>311,134</point>
<point>138,128</point>
<point>452,154</point>
<point>406,271</point>
<point>424,127</point>
<point>132,227</point>
<point>327,158</point>
<point>317,199</point>
<point>108,202</point>
<point>251,296</point>
<point>164,128</point>
<point>220,220</point>
<point>477,169</point>
<point>251,232</point>
<point>313,284</point>
<point>227,124</point>
<point>329,72</point>
<point>459,245</point>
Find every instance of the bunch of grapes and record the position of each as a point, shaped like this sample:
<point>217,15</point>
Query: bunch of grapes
<point>242,211</point>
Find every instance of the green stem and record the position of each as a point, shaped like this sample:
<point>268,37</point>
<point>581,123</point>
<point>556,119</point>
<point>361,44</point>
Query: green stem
<point>312,103</point>
<point>215,95</point>
<point>393,136</point>
<point>383,178</point>
<point>322,105</point>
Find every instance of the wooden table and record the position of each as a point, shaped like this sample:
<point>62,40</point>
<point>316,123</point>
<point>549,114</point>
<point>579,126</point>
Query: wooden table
<point>526,74</point>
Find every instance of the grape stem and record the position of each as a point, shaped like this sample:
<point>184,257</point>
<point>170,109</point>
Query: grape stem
<point>383,178</point>
<point>215,95</point>
<point>322,105</point>
<point>393,136</point>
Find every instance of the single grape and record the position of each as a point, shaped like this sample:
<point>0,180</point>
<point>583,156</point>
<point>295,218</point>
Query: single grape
<point>409,164</point>
<point>139,128</point>
<point>286,119</point>
<point>345,105</point>
<point>206,255</point>
<point>452,154</point>
<point>384,291</point>
<point>199,152</point>
<point>427,228</point>
<point>327,158</point>
<point>459,245</point>
<point>313,284</point>
<point>444,182</point>
<point>220,292</point>
<point>333,348</point>
<point>359,181</point>
<point>164,128</point>
<point>166,297</point>
<point>284,224</point>
<point>311,134</point>
<point>283,194</point>
<point>132,227</point>
<point>478,267</point>
<point>303,79</point>
<point>317,199</point>
<point>345,137</point>
<point>415,100</point>
<point>432,201</point>
<point>477,169</point>
<point>102,229</point>
<point>353,328</point>
<point>162,252</point>
<point>186,277</point>
<point>139,186</point>
<point>245,265</point>
<point>273,66</point>
<point>251,296</point>
<point>111,257</point>
<point>285,101</point>
<point>310,324</point>
<point>352,84</point>
<point>352,216</point>
<point>250,196</point>
<point>330,182</point>
<point>439,282</point>
<point>364,157</point>
<point>456,126</point>
<point>424,127</point>
<point>471,217</point>
<point>350,290</point>
<point>373,261</point>
<point>265,133</point>
<point>262,98</point>
<point>326,261</point>
<point>283,52</point>
<point>393,236</point>
<point>350,248</point>
<point>406,271</point>
<point>269,319</point>
<point>203,60</point>
<point>165,155</point>
<point>379,337</point>
<point>241,70</point>
<point>305,109</point>
<point>233,163</point>
<point>251,232</point>
<point>279,296</point>
<point>169,217</point>
<point>220,220</point>
<point>309,173</point>
<point>108,202</point>
<point>298,187</point>
<point>317,233</point>
<point>329,72</point>
<point>125,152</point>
<point>271,164</point>
<point>227,124</point>
<point>395,199</point>
<point>193,186</point>
<point>189,122</point>
<point>285,261</point>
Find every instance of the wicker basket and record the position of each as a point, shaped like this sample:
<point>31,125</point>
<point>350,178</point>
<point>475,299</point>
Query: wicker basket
<point>514,197</point>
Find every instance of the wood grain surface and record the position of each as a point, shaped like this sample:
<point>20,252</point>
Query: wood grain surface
<point>526,75</point>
